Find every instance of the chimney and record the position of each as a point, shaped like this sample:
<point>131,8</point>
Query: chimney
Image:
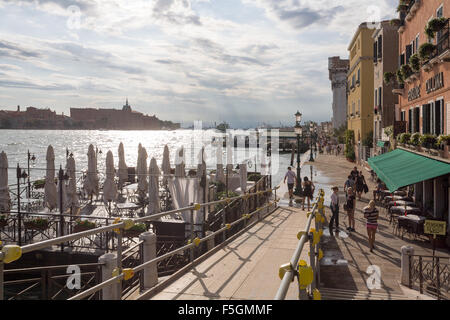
<point>18,108</point>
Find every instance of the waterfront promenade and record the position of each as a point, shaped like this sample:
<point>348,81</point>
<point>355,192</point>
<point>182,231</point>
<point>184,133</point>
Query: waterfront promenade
<point>247,267</point>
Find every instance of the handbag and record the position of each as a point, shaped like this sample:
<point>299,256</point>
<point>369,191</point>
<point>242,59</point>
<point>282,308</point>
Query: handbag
<point>366,188</point>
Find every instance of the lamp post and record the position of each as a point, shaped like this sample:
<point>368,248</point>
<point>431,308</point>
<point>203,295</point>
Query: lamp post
<point>298,132</point>
<point>32,159</point>
<point>311,130</point>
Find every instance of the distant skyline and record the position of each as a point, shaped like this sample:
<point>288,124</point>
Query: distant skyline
<point>246,62</point>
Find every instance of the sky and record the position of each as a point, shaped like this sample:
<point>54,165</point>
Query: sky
<point>247,62</point>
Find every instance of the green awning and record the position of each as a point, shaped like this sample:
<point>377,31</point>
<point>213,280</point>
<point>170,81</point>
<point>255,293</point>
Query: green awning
<point>381,144</point>
<point>400,168</point>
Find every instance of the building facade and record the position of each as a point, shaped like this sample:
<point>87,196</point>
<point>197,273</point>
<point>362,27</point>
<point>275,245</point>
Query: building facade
<point>425,99</point>
<point>360,86</point>
<point>338,69</point>
<point>385,48</point>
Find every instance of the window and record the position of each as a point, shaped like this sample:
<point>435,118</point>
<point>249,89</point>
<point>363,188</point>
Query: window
<point>375,52</point>
<point>353,80</point>
<point>417,119</point>
<point>403,116</point>
<point>380,47</point>
<point>426,118</point>
<point>439,117</point>
<point>410,121</point>
<point>401,60</point>
<point>359,107</point>
<point>376,97</point>
<point>408,53</point>
<point>353,108</point>
<point>379,97</point>
<point>359,75</point>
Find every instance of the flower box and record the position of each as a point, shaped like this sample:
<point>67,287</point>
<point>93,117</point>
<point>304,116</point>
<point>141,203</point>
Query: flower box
<point>37,224</point>
<point>80,228</point>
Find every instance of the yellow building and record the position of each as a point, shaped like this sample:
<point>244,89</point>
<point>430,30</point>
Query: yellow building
<point>361,84</point>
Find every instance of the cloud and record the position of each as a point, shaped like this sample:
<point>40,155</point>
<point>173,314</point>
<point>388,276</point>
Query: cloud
<point>13,50</point>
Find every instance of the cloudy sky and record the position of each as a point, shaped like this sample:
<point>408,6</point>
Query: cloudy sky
<point>243,61</point>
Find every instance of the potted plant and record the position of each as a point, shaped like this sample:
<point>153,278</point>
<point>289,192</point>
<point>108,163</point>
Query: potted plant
<point>436,24</point>
<point>426,50</point>
<point>414,62</point>
<point>39,184</point>
<point>389,78</point>
<point>38,224</point>
<point>415,140</point>
<point>255,177</point>
<point>428,141</point>
<point>135,230</point>
<point>404,138</point>
<point>406,71</point>
<point>3,221</point>
<point>443,142</point>
<point>402,7</point>
<point>396,22</point>
<point>83,225</point>
<point>400,78</point>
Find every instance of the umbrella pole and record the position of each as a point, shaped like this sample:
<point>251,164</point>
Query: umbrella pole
<point>18,206</point>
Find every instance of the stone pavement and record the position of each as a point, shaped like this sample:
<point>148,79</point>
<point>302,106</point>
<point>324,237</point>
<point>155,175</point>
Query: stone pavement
<point>347,256</point>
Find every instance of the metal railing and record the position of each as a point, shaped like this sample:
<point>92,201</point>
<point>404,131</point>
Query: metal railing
<point>307,276</point>
<point>431,274</point>
<point>15,252</point>
<point>443,41</point>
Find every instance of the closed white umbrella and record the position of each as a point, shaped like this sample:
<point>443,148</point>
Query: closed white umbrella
<point>141,171</point>
<point>180,164</point>
<point>71,190</point>
<point>220,176</point>
<point>166,163</point>
<point>201,166</point>
<point>109,187</point>
<point>50,192</point>
<point>91,182</point>
<point>230,153</point>
<point>5,200</point>
<point>153,188</point>
<point>123,168</point>
<point>243,176</point>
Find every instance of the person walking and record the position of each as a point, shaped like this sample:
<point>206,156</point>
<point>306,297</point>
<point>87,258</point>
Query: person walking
<point>359,184</point>
<point>354,173</point>
<point>349,183</point>
<point>371,215</point>
<point>334,206</point>
<point>308,191</point>
<point>291,182</point>
<point>350,207</point>
<point>378,190</point>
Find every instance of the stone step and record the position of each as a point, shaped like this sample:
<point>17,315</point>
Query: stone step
<point>342,294</point>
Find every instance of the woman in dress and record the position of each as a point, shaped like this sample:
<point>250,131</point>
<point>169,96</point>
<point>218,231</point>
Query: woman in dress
<point>308,191</point>
<point>371,215</point>
<point>350,207</point>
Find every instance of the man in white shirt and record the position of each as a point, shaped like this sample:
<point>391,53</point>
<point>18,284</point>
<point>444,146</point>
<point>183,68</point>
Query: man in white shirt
<point>291,181</point>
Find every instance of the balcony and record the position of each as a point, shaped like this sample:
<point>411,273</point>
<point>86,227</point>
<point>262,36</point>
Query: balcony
<point>442,51</point>
<point>413,77</point>
<point>414,5</point>
<point>399,89</point>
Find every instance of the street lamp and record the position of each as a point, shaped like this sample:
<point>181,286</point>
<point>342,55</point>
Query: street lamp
<point>298,131</point>
<point>311,131</point>
<point>32,159</point>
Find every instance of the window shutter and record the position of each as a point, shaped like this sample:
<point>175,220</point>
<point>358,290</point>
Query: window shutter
<point>375,52</point>
<point>379,96</point>
<point>380,46</point>
<point>410,120</point>
<point>408,53</point>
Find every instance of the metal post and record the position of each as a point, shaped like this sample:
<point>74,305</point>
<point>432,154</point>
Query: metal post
<point>210,241</point>
<point>19,216</point>
<point>420,275</point>
<point>312,260</point>
<point>438,281</point>
<point>150,273</point>
<point>29,184</point>
<point>191,252</point>
<point>1,273</point>
<point>61,205</point>
<point>299,179</point>
<point>109,263</point>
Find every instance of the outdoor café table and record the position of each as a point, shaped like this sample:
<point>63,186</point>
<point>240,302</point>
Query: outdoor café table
<point>401,210</point>
<point>130,190</point>
<point>128,208</point>
<point>411,223</point>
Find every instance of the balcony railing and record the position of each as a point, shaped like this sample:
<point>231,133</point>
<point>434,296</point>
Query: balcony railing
<point>443,43</point>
